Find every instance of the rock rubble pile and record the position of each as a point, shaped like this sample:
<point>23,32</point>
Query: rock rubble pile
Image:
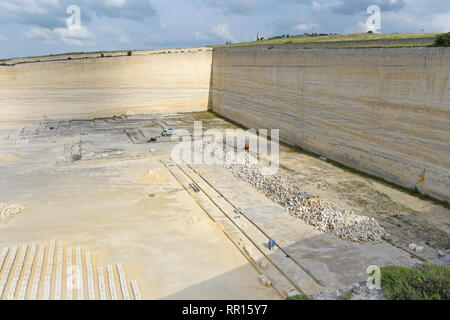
<point>357,291</point>
<point>8,211</point>
<point>323,215</point>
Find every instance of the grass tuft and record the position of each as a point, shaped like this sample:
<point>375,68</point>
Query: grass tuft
<point>427,282</point>
<point>347,295</point>
<point>298,297</point>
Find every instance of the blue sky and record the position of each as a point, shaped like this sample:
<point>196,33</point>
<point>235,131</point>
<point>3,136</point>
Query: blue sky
<point>39,27</point>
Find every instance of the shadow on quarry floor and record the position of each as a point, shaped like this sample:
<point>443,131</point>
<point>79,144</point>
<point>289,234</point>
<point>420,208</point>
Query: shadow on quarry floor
<point>333,267</point>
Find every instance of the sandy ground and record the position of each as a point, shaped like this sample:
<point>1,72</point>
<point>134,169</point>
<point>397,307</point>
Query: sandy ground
<point>98,184</point>
<point>128,211</point>
<point>408,218</point>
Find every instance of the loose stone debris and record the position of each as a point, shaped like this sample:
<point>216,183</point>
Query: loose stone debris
<point>16,141</point>
<point>323,215</point>
<point>357,291</point>
<point>415,247</point>
<point>264,281</point>
<point>9,211</point>
<point>443,258</point>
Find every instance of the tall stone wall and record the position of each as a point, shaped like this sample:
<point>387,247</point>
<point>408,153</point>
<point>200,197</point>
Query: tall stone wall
<point>383,111</point>
<point>88,86</point>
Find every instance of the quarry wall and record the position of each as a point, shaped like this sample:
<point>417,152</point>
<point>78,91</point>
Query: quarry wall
<point>380,110</point>
<point>89,86</point>
<point>383,111</point>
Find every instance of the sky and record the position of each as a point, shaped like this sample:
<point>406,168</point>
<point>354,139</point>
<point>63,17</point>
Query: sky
<point>41,27</point>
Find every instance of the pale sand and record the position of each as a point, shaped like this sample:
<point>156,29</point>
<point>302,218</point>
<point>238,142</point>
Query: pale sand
<point>9,157</point>
<point>165,242</point>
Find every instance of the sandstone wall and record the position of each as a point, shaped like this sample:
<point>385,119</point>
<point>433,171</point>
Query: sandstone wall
<point>382,111</point>
<point>149,81</point>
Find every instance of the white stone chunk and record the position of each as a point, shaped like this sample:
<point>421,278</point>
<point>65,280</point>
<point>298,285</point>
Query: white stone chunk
<point>90,277</point>
<point>123,282</point>
<point>112,284</point>
<point>9,264</point>
<point>3,257</point>
<point>79,274</point>
<point>37,273</point>
<point>69,274</point>
<point>27,273</point>
<point>136,292</point>
<point>59,269</point>
<point>49,271</point>
<point>101,284</point>
<point>17,272</point>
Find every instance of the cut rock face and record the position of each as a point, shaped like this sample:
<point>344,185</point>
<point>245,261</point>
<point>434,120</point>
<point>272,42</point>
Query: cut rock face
<point>9,211</point>
<point>323,215</point>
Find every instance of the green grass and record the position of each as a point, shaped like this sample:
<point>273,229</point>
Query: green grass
<point>360,46</point>
<point>347,295</point>
<point>442,40</point>
<point>428,282</point>
<point>330,38</point>
<point>298,297</point>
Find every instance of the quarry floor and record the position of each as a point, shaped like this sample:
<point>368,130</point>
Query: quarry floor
<point>99,184</point>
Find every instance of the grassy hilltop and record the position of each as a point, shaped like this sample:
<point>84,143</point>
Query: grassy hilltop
<point>286,39</point>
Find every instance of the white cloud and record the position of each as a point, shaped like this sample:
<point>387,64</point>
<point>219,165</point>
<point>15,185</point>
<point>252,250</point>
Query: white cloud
<point>302,27</point>
<point>440,21</point>
<point>3,38</point>
<point>223,31</point>
<point>73,36</point>
<point>200,36</point>
<point>114,3</point>
<point>237,7</point>
<point>361,27</point>
<point>118,34</point>
<point>37,33</point>
<point>177,23</point>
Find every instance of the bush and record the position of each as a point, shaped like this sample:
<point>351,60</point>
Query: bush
<point>102,55</point>
<point>442,40</point>
<point>427,282</point>
<point>347,295</point>
<point>129,53</point>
